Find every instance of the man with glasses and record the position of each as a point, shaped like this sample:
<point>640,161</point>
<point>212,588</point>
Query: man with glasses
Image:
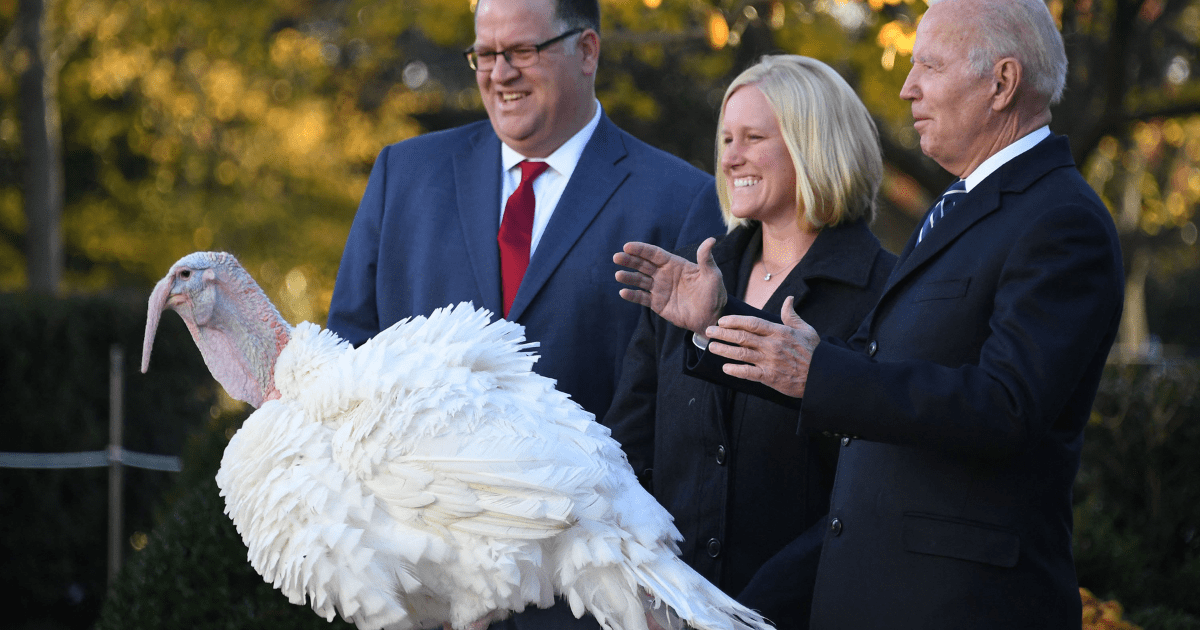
<point>431,228</point>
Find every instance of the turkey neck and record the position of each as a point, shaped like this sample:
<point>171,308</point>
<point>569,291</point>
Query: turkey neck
<point>246,319</point>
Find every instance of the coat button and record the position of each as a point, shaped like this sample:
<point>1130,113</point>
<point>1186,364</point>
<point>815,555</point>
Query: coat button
<point>721,455</point>
<point>846,441</point>
<point>873,348</point>
<point>714,547</point>
<point>835,527</point>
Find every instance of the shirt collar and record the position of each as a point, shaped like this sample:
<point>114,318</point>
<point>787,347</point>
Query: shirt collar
<point>1003,156</point>
<point>565,158</point>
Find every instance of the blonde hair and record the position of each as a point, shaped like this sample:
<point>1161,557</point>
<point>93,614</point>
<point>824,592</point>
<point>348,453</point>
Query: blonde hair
<point>831,138</point>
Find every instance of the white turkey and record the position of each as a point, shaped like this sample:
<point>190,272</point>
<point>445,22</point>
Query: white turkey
<point>428,476</point>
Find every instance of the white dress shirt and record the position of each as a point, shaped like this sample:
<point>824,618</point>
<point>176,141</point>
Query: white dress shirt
<point>549,187</point>
<point>1005,155</point>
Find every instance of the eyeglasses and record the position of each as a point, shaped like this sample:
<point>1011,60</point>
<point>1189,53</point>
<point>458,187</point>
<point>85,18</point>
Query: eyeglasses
<point>522,56</point>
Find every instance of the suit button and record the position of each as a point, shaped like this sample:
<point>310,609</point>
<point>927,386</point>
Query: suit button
<point>846,441</point>
<point>714,547</point>
<point>872,348</point>
<point>721,455</point>
<point>835,527</point>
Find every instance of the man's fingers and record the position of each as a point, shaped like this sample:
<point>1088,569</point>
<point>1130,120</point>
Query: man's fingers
<point>646,251</point>
<point>635,279</point>
<point>731,336</point>
<point>735,353</point>
<point>787,312</point>
<point>704,252</point>
<point>635,296</point>
<point>753,325</point>
<point>744,371</point>
<point>635,263</point>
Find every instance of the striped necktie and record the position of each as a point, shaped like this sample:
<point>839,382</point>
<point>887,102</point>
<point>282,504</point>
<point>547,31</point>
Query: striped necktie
<point>944,204</point>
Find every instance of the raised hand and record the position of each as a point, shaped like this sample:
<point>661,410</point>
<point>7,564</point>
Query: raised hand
<point>684,293</point>
<point>775,355</point>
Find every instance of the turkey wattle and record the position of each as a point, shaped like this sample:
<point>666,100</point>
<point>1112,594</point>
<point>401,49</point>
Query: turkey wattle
<point>428,476</point>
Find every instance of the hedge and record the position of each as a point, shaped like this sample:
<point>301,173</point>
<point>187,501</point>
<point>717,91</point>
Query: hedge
<point>54,381</point>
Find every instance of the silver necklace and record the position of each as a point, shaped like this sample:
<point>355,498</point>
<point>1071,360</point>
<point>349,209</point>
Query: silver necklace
<point>767,277</point>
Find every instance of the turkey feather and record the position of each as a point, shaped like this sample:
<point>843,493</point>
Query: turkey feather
<point>429,475</point>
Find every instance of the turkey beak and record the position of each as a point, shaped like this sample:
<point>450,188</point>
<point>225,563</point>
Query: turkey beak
<point>158,302</point>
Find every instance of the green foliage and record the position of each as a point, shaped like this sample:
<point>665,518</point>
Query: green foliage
<point>1137,513</point>
<point>1172,303</point>
<point>54,379</point>
<point>194,574</point>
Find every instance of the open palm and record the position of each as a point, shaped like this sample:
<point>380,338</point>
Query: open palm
<point>684,293</point>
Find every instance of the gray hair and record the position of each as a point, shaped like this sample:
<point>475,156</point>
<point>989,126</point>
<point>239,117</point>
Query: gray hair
<point>1024,30</point>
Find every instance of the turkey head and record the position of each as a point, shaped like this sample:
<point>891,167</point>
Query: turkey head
<point>237,329</point>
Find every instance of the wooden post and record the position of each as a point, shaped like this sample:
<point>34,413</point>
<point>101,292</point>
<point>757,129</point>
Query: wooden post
<point>116,367</point>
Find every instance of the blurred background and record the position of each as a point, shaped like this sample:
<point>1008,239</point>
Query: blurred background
<point>133,132</point>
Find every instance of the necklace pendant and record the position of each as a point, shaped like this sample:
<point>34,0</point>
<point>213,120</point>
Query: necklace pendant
<point>767,277</point>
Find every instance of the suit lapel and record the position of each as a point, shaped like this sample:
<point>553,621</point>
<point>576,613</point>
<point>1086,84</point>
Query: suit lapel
<point>596,178</point>
<point>477,188</point>
<point>984,199</point>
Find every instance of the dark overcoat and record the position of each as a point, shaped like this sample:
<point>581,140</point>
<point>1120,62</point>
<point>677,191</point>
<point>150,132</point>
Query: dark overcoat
<point>962,399</point>
<point>732,469</point>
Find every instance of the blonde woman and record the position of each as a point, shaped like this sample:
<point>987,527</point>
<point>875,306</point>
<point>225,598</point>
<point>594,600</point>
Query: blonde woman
<point>799,168</point>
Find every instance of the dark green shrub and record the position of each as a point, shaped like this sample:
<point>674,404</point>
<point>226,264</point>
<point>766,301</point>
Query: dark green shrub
<point>194,574</point>
<point>54,365</point>
<point>1137,496</point>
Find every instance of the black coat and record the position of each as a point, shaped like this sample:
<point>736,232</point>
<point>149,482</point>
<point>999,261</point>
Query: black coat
<point>732,469</point>
<point>966,391</point>
<point>983,359</point>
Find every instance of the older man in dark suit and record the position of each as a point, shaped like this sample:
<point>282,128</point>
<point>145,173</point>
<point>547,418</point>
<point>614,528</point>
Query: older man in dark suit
<point>520,214</point>
<point>962,398</point>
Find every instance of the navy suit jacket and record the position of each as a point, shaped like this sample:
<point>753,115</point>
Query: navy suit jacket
<point>425,237</point>
<point>966,391</point>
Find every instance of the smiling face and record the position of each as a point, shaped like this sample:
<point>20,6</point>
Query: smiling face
<point>760,176</point>
<point>951,102</point>
<point>536,109</point>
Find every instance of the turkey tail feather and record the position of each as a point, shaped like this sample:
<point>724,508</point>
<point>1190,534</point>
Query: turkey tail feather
<point>692,598</point>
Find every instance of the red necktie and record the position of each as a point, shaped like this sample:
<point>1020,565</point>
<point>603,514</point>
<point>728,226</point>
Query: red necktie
<point>516,232</point>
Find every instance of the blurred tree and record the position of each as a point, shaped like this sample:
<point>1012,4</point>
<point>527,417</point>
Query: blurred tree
<point>1130,110</point>
<point>186,126</point>
<point>38,62</point>
<point>252,128</point>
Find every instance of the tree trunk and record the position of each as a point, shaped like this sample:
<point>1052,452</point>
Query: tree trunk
<point>1134,331</point>
<point>41,137</point>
